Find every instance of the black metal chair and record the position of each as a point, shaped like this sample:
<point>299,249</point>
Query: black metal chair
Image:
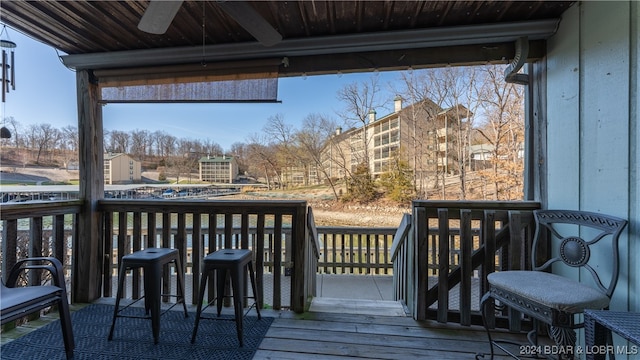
<point>19,301</point>
<point>233,263</point>
<point>553,299</point>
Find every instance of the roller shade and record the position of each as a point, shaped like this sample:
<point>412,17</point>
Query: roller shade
<point>255,81</point>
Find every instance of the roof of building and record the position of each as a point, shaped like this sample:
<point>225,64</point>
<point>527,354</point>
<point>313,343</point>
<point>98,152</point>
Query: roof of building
<point>216,159</point>
<point>110,156</point>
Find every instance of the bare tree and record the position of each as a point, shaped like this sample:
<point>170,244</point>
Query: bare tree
<point>240,152</point>
<point>118,141</point>
<point>16,130</point>
<point>263,159</point>
<point>281,136</point>
<point>504,130</point>
<point>360,100</point>
<point>448,98</point>
<point>165,143</point>
<point>421,133</point>
<point>41,138</point>
<point>141,141</point>
<point>70,138</point>
<point>317,129</point>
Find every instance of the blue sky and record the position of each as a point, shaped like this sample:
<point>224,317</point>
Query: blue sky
<point>45,93</point>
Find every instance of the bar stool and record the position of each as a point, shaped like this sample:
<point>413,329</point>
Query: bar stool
<point>234,262</point>
<point>152,261</point>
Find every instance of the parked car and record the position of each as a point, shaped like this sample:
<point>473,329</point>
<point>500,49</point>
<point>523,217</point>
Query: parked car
<point>169,193</point>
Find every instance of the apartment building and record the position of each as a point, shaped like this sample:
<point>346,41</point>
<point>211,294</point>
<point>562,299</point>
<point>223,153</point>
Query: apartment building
<point>218,169</point>
<point>120,168</point>
<point>423,134</point>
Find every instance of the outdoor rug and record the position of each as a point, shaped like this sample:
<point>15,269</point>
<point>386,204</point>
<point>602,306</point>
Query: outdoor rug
<point>133,338</point>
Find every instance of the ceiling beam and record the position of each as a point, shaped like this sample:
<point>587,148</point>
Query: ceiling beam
<point>328,45</point>
<point>408,59</point>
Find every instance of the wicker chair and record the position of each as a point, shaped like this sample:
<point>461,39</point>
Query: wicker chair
<point>553,299</point>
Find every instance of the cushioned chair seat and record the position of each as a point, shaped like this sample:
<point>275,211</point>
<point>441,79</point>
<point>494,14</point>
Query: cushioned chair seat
<point>18,298</point>
<point>551,290</point>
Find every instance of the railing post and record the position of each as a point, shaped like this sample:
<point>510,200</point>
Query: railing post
<point>299,224</point>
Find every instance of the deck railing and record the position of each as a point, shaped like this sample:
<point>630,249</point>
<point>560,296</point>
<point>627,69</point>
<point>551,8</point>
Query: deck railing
<point>450,248</point>
<point>401,254</point>
<point>39,229</point>
<point>355,250</point>
<point>206,226</point>
<point>49,229</point>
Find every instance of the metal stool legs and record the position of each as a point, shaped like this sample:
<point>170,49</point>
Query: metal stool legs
<point>152,261</point>
<point>235,266</point>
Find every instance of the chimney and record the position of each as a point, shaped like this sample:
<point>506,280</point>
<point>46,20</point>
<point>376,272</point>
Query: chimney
<point>397,103</point>
<point>372,116</point>
<point>338,130</point>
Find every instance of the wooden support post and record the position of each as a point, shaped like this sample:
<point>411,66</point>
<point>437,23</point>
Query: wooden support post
<point>88,259</point>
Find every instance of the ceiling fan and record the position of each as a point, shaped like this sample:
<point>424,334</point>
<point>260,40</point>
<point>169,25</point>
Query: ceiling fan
<point>159,15</point>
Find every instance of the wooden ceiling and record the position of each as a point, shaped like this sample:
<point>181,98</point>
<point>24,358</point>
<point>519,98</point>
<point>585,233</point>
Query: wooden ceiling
<point>100,27</point>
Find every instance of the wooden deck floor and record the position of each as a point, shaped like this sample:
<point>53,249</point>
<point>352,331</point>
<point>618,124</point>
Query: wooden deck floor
<point>344,335</point>
<point>322,335</point>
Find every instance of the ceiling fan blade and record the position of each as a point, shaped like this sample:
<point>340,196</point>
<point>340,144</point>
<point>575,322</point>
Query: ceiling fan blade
<point>252,21</point>
<point>158,16</point>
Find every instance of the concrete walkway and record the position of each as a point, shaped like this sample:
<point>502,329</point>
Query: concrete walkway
<point>343,293</point>
<point>364,287</point>
<point>356,294</point>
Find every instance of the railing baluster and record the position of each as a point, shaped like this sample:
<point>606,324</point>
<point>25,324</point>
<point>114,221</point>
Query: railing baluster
<point>151,229</point>
<point>9,244</point>
<point>59,240</point>
<point>35,246</point>
<point>180,243</point>
<point>489,240</point>
<point>259,253</point>
<point>277,262</point>
<point>166,243</point>
<point>244,231</point>
<point>515,261</point>
<point>422,266</point>
<point>212,246</point>
<point>107,268</point>
<point>350,253</point>
<point>443,265</point>
<point>137,245</point>
<point>466,242</point>
<point>334,249</point>
<point>197,249</point>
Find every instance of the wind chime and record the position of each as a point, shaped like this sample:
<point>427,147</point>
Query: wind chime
<point>8,76</point>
